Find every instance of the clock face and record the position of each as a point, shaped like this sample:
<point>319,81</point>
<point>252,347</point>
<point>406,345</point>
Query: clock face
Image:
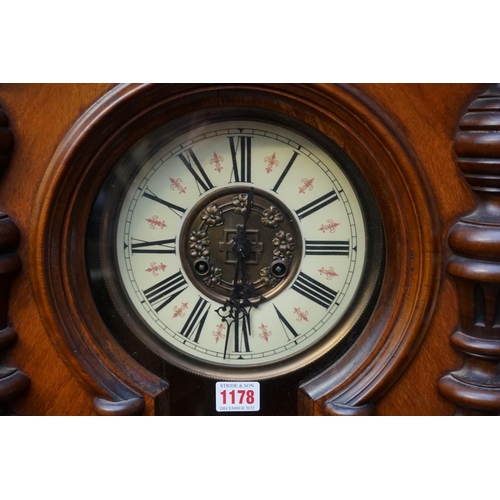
<point>236,245</point>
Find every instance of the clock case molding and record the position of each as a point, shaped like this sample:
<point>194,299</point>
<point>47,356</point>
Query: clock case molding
<point>378,356</point>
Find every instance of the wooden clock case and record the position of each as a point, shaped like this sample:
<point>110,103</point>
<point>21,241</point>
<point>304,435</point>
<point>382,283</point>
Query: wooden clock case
<point>429,347</point>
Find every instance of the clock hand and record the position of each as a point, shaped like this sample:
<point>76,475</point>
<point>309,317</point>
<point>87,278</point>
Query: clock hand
<point>249,207</point>
<point>242,248</point>
<point>239,302</point>
<point>237,306</point>
<point>231,304</point>
<point>242,245</point>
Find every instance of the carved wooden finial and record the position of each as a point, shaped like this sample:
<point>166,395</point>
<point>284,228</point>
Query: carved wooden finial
<point>475,263</point>
<point>12,381</point>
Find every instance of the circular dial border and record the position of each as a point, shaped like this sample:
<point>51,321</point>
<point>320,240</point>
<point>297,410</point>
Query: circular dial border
<point>344,114</point>
<point>174,181</point>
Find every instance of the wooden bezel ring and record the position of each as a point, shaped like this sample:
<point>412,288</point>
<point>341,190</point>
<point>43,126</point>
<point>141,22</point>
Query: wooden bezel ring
<point>407,297</point>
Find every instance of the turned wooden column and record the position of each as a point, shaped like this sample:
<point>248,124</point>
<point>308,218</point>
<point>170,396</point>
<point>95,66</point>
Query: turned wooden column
<point>475,263</point>
<point>13,382</point>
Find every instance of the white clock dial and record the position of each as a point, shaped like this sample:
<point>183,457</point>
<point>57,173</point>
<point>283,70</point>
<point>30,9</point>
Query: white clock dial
<point>307,235</point>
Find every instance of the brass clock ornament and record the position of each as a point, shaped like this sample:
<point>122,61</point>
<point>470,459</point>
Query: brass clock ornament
<point>246,245</point>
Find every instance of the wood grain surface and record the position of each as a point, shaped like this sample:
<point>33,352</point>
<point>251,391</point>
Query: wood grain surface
<point>411,123</point>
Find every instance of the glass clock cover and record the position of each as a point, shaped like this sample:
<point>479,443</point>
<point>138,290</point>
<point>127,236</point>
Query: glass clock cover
<point>236,244</point>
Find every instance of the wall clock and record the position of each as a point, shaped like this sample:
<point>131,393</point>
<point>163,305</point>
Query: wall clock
<point>230,233</point>
<point>235,248</point>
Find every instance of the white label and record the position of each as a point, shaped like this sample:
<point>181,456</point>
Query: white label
<point>237,396</point>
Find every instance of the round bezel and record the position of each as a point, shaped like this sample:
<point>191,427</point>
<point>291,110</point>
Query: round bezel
<point>124,318</point>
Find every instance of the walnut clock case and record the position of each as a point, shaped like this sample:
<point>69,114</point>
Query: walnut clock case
<point>288,235</point>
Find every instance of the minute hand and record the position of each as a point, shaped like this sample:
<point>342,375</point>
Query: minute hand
<point>238,305</point>
<point>242,245</point>
<point>242,248</point>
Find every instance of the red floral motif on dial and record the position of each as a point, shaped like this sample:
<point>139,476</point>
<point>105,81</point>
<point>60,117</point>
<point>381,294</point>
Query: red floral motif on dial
<point>266,333</point>
<point>179,312</point>
<point>177,184</point>
<point>330,227</point>
<point>301,316</point>
<point>329,273</point>
<point>273,162</point>
<point>154,222</point>
<point>219,332</point>
<point>217,160</point>
<point>306,184</point>
<point>156,268</point>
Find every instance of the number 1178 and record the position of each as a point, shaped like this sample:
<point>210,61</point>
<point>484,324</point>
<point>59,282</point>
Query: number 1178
<point>239,396</point>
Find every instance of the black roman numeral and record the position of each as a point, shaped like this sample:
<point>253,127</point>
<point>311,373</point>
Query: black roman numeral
<point>179,211</point>
<point>196,321</point>
<point>286,325</point>
<point>325,247</point>
<point>241,334</point>
<point>314,290</point>
<point>316,205</point>
<point>202,180</point>
<point>285,172</point>
<point>242,169</point>
<point>165,291</point>
<point>155,247</point>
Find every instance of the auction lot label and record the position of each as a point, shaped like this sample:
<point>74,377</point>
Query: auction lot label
<point>237,396</point>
